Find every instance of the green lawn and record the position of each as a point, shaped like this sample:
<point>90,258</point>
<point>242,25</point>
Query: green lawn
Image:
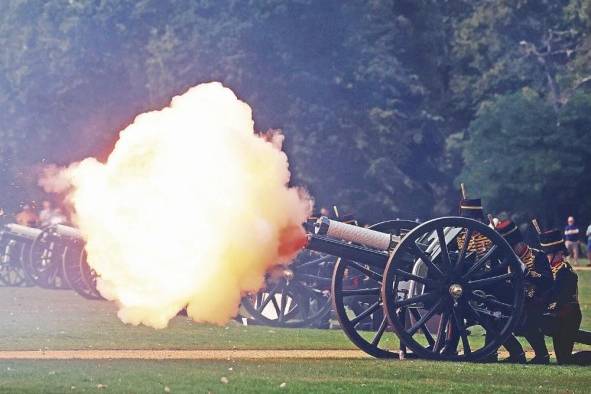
<point>36,319</point>
<point>298,375</point>
<point>47,319</point>
<point>585,298</point>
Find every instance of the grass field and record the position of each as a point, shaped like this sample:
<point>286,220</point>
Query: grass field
<point>367,376</point>
<point>36,319</point>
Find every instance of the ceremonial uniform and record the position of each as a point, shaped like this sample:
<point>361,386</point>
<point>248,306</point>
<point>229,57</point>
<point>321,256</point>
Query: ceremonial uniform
<point>563,316</point>
<point>472,209</point>
<point>538,283</point>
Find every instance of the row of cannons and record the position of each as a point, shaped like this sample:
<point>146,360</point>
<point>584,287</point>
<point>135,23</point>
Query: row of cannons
<point>450,288</point>
<point>52,258</point>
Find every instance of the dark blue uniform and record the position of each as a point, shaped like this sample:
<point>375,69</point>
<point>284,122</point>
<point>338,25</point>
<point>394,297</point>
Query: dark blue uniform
<point>538,285</point>
<point>563,317</point>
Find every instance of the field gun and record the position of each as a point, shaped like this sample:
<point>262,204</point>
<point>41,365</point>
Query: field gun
<point>424,283</point>
<point>56,259</point>
<point>296,294</point>
<point>15,243</point>
<point>77,273</point>
<point>44,261</point>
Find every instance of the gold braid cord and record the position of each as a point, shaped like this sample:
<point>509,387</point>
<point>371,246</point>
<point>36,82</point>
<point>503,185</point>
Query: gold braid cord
<point>557,268</point>
<point>479,243</point>
<point>527,258</point>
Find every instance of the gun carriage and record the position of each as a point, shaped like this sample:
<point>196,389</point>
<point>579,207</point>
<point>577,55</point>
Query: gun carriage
<point>15,243</point>
<point>354,298</point>
<point>56,259</point>
<point>296,295</point>
<point>428,285</point>
<point>43,264</point>
<point>77,273</point>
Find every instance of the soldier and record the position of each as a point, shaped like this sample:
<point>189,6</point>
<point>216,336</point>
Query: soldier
<point>538,282</point>
<point>563,316</point>
<point>472,208</point>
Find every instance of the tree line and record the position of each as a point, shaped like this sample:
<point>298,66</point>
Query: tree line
<point>386,104</point>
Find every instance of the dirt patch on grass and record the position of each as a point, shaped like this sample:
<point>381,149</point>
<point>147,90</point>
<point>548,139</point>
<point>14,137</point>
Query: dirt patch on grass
<point>180,354</point>
<point>190,354</point>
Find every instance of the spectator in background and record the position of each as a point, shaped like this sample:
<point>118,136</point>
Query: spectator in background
<point>571,238</point>
<point>27,216</point>
<point>588,234</point>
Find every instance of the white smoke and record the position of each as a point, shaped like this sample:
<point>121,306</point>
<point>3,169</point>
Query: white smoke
<point>190,209</point>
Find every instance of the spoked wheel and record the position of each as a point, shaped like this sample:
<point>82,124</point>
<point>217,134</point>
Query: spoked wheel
<point>449,298</point>
<point>357,298</point>
<point>72,265</point>
<point>11,267</point>
<point>44,263</point>
<point>89,275</point>
<point>297,295</point>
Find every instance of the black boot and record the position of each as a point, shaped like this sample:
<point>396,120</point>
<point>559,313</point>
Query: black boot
<point>515,359</point>
<point>536,339</point>
<point>516,353</point>
<point>540,360</point>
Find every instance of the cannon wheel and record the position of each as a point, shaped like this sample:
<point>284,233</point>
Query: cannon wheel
<point>89,275</point>
<point>74,267</point>
<point>298,299</point>
<point>359,310</point>
<point>43,266</point>
<point>445,289</point>
<point>11,268</point>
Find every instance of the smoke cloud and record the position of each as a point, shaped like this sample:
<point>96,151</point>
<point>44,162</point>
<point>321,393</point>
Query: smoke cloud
<point>190,209</point>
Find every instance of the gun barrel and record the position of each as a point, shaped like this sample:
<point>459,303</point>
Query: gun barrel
<point>347,251</point>
<point>18,231</point>
<point>359,235</point>
<point>67,232</point>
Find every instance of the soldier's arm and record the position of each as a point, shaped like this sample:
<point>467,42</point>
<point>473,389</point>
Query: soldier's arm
<point>566,287</point>
<point>553,296</point>
<point>541,275</point>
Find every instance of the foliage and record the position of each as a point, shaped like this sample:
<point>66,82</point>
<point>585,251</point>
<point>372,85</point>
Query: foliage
<point>75,74</point>
<point>522,86</point>
<point>378,99</point>
<point>522,159</point>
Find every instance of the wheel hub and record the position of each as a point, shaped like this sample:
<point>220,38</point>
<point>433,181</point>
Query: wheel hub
<point>456,290</point>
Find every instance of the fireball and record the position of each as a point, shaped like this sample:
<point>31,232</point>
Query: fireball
<point>190,210</point>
